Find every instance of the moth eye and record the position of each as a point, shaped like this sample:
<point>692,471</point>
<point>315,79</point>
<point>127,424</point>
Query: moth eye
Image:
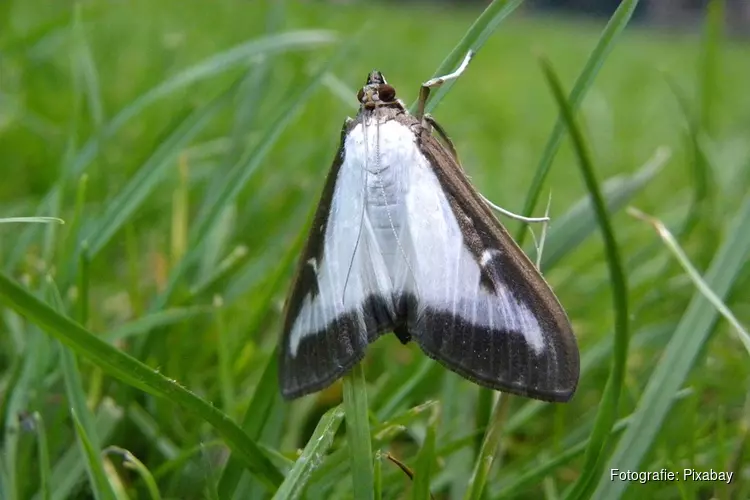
<point>360,95</point>
<point>387,93</point>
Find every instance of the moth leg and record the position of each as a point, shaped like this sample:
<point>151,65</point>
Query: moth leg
<point>512,215</point>
<point>430,123</point>
<point>424,91</point>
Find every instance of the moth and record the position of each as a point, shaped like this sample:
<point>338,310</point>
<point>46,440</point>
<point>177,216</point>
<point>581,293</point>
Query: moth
<point>402,242</point>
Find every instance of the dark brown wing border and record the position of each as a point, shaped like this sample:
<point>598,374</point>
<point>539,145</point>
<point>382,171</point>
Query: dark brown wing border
<point>501,360</point>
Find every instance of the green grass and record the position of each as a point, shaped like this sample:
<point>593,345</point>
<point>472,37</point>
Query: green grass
<point>184,144</point>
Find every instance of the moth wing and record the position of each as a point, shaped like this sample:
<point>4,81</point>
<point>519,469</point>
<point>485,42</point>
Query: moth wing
<point>342,296</point>
<point>479,306</point>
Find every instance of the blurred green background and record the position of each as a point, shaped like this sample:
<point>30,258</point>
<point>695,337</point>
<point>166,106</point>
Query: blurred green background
<point>186,142</point>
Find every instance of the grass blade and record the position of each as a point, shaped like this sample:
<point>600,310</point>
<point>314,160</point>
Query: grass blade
<point>709,70</point>
<point>149,322</point>
<point>573,227</point>
<point>266,395</point>
<point>138,375</point>
<point>381,433</point>
<point>681,353</point>
<point>85,67</point>
<point>42,220</point>
<point>121,208</point>
<point>99,483</point>
<point>131,462</point>
<point>399,396</point>
<point>45,470</point>
<point>426,459</point>
<point>69,469</point>
<point>311,457</point>
<point>378,475</point>
<point>583,83</point>
<point>225,354</point>
<point>535,474</point>
<point>674,247</point>
<point>358,433</point>
<point>477,35</point>
<point>607,413</point>
<point>82,416</point>
<point>258,411</point>
<point>487,451</point>
<point>242,54</point>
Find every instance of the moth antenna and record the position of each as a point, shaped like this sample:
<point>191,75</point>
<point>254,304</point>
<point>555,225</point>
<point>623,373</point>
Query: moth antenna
<point>361,214</point>
<point>511,215</point>
<point>424,91</point>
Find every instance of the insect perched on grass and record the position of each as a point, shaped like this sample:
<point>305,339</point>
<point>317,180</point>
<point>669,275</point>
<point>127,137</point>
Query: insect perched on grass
<point>402,242</point>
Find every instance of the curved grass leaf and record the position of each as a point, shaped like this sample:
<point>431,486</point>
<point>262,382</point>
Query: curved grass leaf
<point>138,375</point>
<point>579,222</point>
<point>311,457</point>
<point>607,413</point>
<point>476,36</point>
<point>680,355</point>
<point>335,465</point>
<point>583,83</point>
<point>99,483</point>
<point>671,243</point>
<point>131,462</point>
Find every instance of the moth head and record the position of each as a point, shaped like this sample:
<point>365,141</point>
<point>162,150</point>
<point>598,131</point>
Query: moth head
<point>376,91</point>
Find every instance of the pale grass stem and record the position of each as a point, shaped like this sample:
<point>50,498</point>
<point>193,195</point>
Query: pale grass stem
<point>674,247</point>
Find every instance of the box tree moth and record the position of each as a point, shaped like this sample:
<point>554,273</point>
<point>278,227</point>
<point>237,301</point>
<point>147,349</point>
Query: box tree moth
<point>401,242</point>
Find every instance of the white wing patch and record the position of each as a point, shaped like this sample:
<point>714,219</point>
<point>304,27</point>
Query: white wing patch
<point>354,264</point>
<point>391,231</point>
<point>447,273</point>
